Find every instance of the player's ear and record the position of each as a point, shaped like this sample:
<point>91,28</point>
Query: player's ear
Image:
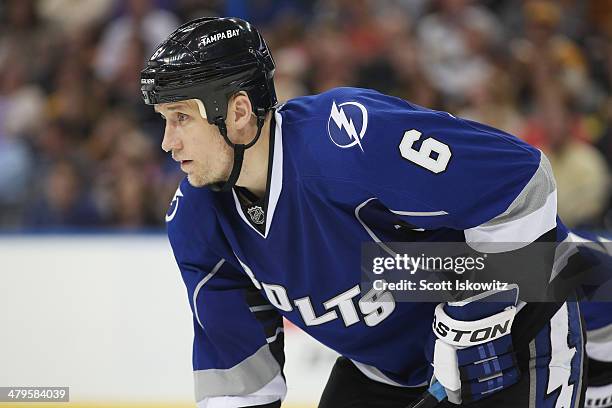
<point>239,112</point>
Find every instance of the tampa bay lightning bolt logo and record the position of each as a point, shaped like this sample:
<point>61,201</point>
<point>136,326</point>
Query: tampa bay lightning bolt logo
<point>174,204</point>
<point>341,124</point>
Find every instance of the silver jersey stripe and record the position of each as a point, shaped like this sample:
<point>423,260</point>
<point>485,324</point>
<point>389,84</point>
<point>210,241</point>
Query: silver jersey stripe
<point>275,390</point>
<point>261,308</point>
<point>514,234</point>
<point>532,374</point>
<point>273,338</point>
<point>582,352</point>
<point>566,250</point>
<point>244,378</point>
<point>532,197</point>
<point>419,213</point>
<point>532,214</point>
<point>199,286</point>
<point>601,335</point>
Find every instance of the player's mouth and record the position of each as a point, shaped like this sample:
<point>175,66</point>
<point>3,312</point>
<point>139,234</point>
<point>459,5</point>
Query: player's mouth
<point>185,163</point>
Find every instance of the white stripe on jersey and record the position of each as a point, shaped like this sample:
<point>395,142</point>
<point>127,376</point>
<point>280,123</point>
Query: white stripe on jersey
<point>517,233</point>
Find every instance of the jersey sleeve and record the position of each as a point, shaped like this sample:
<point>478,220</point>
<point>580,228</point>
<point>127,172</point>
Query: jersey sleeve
<point>471,177</point>
<point>238,336</point>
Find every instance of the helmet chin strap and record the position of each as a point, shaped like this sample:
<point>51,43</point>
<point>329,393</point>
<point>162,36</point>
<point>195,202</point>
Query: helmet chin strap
<point>238,151</point>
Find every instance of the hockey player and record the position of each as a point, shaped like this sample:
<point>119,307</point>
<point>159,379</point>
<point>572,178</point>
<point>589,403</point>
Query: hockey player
<point>278,200</point>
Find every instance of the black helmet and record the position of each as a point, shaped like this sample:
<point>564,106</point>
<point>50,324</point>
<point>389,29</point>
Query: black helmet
<point>210,59</point>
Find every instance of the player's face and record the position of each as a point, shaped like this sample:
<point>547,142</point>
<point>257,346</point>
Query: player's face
<point>195,143</point>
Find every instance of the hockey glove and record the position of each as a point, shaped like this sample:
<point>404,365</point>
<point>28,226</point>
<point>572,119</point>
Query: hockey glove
<point>472,353</point>
<point>599,391</point>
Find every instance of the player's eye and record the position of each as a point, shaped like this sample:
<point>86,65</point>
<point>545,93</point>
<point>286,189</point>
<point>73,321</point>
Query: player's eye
<point>181,117</point>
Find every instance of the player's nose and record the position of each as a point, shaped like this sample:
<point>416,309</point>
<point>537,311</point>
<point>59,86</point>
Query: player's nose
<point>170,141</point>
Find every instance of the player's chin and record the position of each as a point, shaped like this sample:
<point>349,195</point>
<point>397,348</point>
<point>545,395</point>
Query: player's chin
<point>196,180</point>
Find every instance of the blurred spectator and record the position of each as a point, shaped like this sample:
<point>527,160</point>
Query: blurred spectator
<point>128,74</point>
<point>455,41</point>
<point>21,107</point>
<point>583,182</point>
<point>264,12</point>
<point>331,56</point>
<point>492,101</point>
<point>70,98</point>
<point>545,52</point>
<point>289,73</point>
<point>64,200</point>
<point>73,15</point>
<point>127,178</point>
<point>15,163</point>
<point>600,15</point>
<point>78,147</point>
<point>142,20</point>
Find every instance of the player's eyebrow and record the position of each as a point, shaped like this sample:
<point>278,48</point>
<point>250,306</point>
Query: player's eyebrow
<point>173,107</point>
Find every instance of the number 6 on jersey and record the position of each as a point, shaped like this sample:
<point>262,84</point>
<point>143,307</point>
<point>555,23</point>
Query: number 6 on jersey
<point>422,157</point>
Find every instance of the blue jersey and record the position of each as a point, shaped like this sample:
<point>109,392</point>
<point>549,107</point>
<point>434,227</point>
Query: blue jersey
<point>347,166</point>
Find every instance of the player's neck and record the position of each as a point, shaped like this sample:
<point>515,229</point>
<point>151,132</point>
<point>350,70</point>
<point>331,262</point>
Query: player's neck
<point>254,173</point>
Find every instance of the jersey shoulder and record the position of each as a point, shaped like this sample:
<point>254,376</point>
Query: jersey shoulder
<point>349,127</point>
<point>307,108</point>
<point>328,131</point>
<point>191,216</point>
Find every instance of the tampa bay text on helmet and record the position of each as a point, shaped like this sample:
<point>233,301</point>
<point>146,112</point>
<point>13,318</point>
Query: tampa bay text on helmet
<point>211,59</point>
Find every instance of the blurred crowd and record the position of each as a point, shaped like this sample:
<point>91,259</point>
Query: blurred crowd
<point>78,148</point>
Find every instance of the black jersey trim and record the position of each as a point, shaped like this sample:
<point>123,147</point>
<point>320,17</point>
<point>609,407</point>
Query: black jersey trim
<point>257,213</point>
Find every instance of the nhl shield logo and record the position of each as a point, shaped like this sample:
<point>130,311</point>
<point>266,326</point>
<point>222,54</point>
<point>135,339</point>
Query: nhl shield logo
<point>257,214</point>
